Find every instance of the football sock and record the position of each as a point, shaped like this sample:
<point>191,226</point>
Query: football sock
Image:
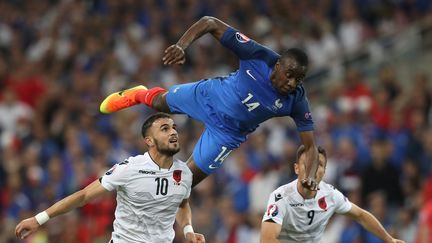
<point>147,96</point>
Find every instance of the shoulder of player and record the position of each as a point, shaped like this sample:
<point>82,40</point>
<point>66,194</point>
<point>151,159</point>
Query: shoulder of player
<point>285,191</point>
<point>179,164</point>
<point>328,188</point>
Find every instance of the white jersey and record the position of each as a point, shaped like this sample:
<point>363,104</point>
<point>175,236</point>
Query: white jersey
<point>304,220</point>
<point>147,198</point>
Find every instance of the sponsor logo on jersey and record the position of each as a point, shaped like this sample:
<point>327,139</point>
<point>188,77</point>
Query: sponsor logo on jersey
<point>296,205</point>
<point>248,71</point>
<point>322,203</point>
<point>110,171</point>
<point>177,176</point>
<point>272,210</point>
<point>278,197</point>
<point>147,172</point>
<point>308,115</point>
<point>241,37</point>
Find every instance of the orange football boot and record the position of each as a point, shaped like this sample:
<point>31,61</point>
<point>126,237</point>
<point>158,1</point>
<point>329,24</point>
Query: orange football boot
<point>120,100</point>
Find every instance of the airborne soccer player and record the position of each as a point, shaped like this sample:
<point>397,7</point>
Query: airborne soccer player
<point>266,85</point>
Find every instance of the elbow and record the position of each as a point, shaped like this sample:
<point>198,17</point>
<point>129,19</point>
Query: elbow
<point>210,22</point>
<point>82,198</point>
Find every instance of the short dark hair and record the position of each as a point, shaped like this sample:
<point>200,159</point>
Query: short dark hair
<point>149,121</point>
<point>298,55</point>
<point>301,150</point>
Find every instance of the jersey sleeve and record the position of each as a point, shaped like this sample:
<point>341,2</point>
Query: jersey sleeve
<point>116,176</point>
<point>246,48</point>
<point>343,205</point>
<point>189,188</point>
<point>301,112</point>
<point>275,210</point>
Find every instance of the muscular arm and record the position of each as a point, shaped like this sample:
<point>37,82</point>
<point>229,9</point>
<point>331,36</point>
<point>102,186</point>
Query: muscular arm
<point>184,214</point>
<point>270,231</point>
<point>175,53</point>
<point>78,199</point>
<point>370,223</point>
<point>311,153</point>
<point>205,25</point>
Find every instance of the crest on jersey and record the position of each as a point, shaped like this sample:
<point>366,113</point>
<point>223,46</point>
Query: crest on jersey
<point>241,37</point>
<point>272,210</point>
<point>177,176</point>
<point>322,203</point>
<point>110,171</point>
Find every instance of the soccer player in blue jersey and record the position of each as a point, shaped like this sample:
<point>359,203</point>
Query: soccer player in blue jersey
<point>266,85</point>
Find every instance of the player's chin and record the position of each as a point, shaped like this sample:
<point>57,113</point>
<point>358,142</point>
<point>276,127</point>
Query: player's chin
<point>174,146</point>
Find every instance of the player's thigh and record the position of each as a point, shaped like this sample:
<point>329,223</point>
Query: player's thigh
<point>187,99</point>
<point>211,151</point>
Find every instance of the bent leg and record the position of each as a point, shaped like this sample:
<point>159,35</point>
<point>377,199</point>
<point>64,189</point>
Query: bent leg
<point>154,98</point>
<point>160,103</point>
<point>198,174</point>
<point>208,156</point>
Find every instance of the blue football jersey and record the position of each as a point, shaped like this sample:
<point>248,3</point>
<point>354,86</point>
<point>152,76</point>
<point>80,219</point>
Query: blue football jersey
<point>246,98</point>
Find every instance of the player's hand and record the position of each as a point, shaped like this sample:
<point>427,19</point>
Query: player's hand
<point>26,227</point>
<point>310,183</point>
<point>195,238</point>
<point>174,55</point>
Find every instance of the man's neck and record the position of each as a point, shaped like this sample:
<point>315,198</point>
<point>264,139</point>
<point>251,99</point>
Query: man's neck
<point>163,161</point>
<point>304,192</point>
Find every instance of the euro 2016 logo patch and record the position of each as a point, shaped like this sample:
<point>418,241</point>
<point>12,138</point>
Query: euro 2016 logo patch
<point>308,115</point>
<point>177,176</point>
<point>241,37</point>
<point>110,171</point>
<point>272,210</point>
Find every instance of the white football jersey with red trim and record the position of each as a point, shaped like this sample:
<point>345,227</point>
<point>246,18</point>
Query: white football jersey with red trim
<point>147,198</point>
<point>304,220</point>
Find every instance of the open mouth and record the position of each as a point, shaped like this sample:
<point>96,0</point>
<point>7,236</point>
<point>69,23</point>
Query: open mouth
<point>173,140</point>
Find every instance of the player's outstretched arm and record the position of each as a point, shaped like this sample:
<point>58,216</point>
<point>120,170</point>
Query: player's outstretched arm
<point>184,219</point>
<point>270,232</point>
<point>174,54</point>
<point>312,162</point>
<point>371,224</point>
<point>78,199</point>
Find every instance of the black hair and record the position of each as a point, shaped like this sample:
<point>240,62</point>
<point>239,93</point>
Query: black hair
<point>302,149</point>
<point>149,121</point>
<point>298,55</point>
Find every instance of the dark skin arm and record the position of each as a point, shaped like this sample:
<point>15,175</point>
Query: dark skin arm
<point>175,53</point>
<point>312,162</point>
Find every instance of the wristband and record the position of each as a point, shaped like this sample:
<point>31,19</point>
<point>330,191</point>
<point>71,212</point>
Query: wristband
<point>188,229</point>
<point>42,217</point>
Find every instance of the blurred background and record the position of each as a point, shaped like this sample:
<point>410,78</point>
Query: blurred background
<point>369,86</point>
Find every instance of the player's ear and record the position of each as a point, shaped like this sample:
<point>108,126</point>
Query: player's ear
<point>296,168</point>
<point>149,141</point>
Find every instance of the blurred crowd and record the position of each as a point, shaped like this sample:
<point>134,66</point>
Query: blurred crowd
<point>60,58</point>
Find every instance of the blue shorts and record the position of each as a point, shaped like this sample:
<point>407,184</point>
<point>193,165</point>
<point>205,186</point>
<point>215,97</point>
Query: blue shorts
<point>216,143</point>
